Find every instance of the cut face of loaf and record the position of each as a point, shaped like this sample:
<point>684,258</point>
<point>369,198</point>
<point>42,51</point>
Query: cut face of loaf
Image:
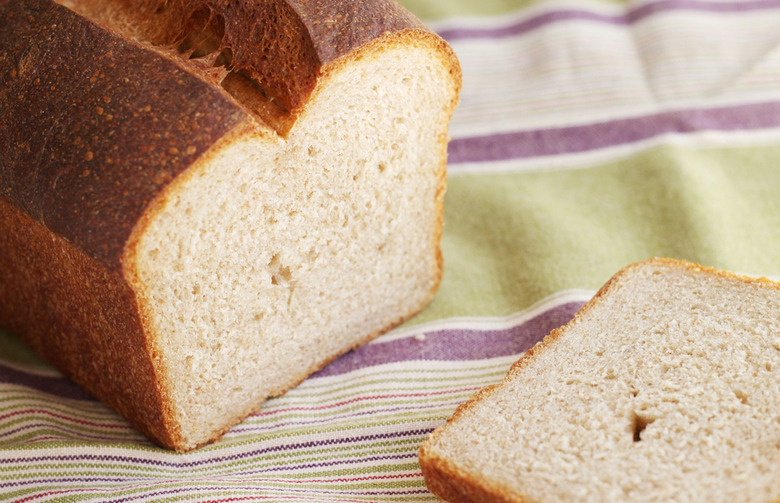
<point>663,388</point>
<point>280,253</point>
<point>241,253</point>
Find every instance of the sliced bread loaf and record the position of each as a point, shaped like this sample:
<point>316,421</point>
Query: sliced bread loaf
<point>203,202</point>
<point>663,388</point>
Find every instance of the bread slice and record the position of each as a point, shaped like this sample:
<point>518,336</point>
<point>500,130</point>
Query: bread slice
<point>663,388</point>
<point>204,202</point>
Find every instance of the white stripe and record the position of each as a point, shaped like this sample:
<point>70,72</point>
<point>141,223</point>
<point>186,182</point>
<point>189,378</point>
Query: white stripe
<point>579,71</point>
<point>488,322</point>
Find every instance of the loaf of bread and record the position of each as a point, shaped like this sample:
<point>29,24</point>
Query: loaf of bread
<point>203,202</point>
<point>663,388</point>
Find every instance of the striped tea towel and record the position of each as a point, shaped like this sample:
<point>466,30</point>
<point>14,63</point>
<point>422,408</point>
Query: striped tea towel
<point>591,134</point>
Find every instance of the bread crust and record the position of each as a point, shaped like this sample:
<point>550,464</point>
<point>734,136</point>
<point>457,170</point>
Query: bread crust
<point>111,141</point>
<point>448,481</point>
<point>80,316</point>
<point>282,45</point>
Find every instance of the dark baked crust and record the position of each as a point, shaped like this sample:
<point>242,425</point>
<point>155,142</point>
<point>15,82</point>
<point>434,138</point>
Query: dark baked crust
<point>282,45</point>
<point>80,316</point>
<point>93,126</point>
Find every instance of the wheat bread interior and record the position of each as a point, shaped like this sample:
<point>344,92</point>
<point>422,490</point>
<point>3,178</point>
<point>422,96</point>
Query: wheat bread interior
<point>663,388</point>
<point>279,254</point>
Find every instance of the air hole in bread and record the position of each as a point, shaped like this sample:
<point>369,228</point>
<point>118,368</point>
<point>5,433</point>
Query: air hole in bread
<point>201,41</point>
<point>225,58</point>
<point>742,396</point>
<point>203,35</point>
<point>639,424</point>
<point>280,274</point>
<point>250,94</point>
<point>274,262</point>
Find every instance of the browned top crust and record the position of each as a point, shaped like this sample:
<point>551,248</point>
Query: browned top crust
<point>281,45</point>
<point>92,126</point>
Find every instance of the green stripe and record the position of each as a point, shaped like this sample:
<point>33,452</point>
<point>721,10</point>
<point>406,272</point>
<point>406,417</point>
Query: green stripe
<point>512,239</point>
<point>94,411</point>
<point>429,10</point>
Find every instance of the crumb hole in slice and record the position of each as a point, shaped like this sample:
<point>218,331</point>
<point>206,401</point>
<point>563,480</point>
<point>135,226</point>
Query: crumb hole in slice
<point>742,396</point>
<point>639,424</point>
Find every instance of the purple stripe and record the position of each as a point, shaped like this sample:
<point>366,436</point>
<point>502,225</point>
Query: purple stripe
<point>629,17</point>
<point>573,139</point>
<point>460,344</point>
<point>59,386</point>
<point>217,459</point>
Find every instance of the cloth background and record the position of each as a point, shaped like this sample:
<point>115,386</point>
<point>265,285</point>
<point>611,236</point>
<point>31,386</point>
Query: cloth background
<point>590,134</point>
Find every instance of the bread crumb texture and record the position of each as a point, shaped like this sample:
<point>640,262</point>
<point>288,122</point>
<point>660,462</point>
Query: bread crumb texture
<point>664,388</point>
<point>282,253</point>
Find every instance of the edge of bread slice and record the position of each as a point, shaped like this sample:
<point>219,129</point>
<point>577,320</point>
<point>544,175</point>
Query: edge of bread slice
<point>662,388</point>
